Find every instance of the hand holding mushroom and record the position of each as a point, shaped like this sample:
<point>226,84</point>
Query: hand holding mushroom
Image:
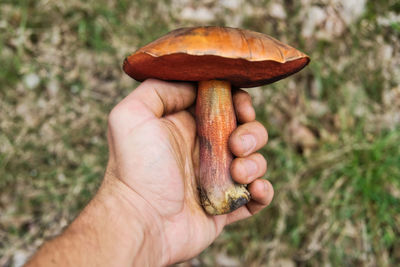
<point>155,153</point>
<point>166,163</point>
<point>147,211</point>
<point>216,58</point>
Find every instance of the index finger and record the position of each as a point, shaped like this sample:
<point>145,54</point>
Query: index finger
<point>243,106</point>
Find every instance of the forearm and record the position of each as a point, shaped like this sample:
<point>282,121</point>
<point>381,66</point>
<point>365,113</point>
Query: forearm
<point>104,234</point>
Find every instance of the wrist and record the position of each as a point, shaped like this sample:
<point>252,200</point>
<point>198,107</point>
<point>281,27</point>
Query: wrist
<point>123,225</point>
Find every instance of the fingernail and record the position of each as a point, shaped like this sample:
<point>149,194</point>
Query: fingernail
<point>251,167</point>
<point>248,142</point>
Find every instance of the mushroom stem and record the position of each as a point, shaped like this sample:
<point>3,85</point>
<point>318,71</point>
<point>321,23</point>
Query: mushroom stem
<point>216,120</point>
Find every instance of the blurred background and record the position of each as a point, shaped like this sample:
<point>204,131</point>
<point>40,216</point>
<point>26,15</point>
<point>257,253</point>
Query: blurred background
<point>333,152</point>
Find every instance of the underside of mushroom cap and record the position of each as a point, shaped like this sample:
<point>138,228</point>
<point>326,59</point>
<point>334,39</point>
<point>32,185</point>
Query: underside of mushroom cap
<point>245,58</point>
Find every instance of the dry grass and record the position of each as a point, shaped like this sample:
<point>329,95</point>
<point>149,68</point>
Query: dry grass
<point>334,128</point>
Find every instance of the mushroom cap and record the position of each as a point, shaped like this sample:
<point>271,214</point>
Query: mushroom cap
<point>245,58</point>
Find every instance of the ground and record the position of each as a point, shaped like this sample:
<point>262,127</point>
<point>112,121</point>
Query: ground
<point>334,128</point>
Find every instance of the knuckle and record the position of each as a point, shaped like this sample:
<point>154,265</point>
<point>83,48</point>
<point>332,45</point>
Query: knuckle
<point>122,111</point>
<point>149,82</point>
<point>270,193</point>
<point>154,84</point>
<point>261,162</point>
<point>263,132</point>
<point>260,126</point>
<point>248,97</point>
<point>113,116</point>
<point>237,170</point>
<point>244,97</point>
<point>261,159</point>
<point>265,162</point>
<point>235,143</point>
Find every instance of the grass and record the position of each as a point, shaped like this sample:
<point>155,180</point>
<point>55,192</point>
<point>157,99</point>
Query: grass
<point>337,196</point>
<point>340,206</point>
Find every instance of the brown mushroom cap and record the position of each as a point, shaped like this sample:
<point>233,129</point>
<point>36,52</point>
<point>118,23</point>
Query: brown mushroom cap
<point>243,57</point>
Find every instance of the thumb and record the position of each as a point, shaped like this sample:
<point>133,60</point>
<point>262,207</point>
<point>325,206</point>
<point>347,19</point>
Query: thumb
<point>153,99</point>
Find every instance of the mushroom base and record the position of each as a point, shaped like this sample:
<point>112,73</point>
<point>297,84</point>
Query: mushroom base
<point>234,198</point>
<point>215,117</point>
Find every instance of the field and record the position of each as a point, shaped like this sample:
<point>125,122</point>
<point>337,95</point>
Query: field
<point>334,128</point>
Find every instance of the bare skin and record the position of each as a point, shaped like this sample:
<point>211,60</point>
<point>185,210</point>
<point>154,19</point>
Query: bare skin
<point>147,211</point>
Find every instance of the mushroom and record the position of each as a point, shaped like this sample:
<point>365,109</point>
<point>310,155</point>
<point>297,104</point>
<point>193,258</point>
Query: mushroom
<point>218,58</point>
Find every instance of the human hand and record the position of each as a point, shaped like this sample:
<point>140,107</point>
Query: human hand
<point>154,164</point>
<point>147,211</point>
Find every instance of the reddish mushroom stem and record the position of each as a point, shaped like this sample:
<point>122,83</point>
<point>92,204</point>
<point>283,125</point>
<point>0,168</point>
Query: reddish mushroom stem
<point>216,120</point>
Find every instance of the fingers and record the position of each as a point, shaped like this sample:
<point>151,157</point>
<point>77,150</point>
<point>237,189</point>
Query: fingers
<point>245,170</point>
<point>248,138</point>
<point>164,97</point>
<point>248,167</point>
<point>152,99</point>
<point>262,194</point>
<point>243,106</point>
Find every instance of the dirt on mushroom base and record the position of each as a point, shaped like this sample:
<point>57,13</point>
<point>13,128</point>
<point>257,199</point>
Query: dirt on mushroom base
<point>336,201</point>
